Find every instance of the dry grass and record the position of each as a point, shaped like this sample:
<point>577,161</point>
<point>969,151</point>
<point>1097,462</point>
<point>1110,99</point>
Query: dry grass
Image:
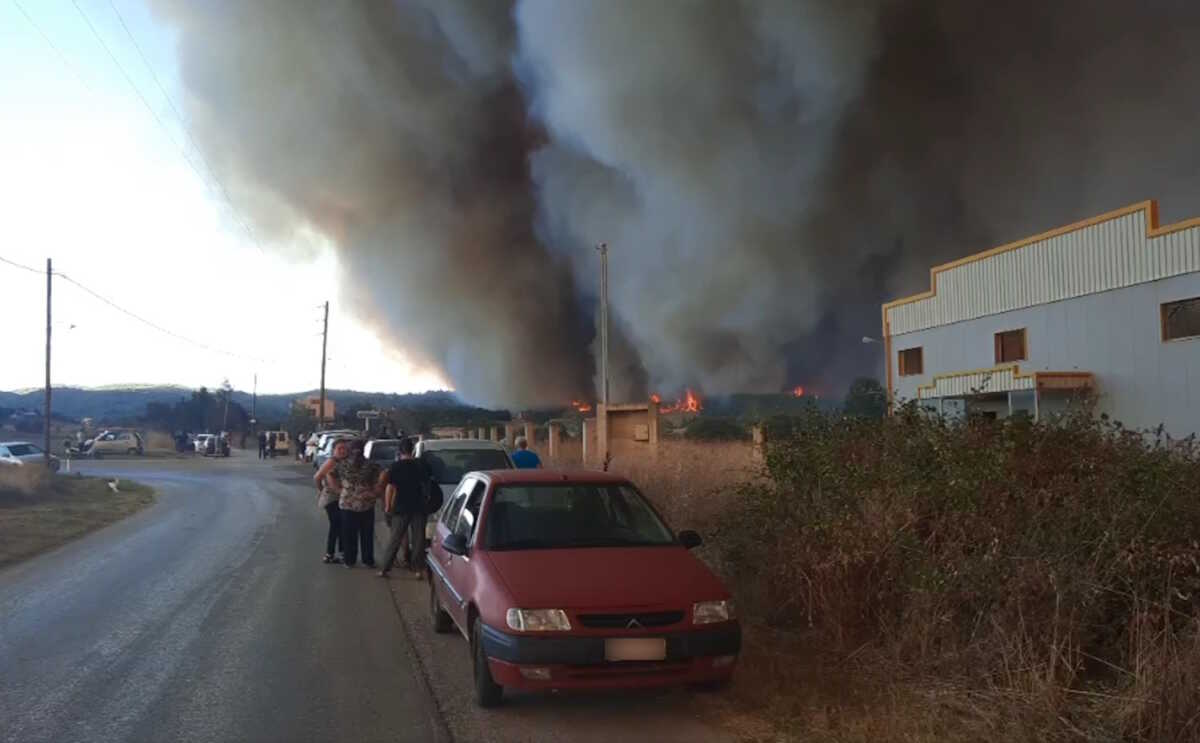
<point>39,512</point>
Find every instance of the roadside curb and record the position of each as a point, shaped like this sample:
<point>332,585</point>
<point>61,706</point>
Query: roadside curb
<point>437,714</point>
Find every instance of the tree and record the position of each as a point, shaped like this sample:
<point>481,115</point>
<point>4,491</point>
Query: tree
<point>866,399</point>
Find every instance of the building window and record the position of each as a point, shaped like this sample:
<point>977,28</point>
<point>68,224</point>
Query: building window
<point>911,362</point>
<point>1010,346</point>
<point>1181,319</point>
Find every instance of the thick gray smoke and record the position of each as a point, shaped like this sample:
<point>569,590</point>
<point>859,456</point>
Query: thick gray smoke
<point>766,173</point>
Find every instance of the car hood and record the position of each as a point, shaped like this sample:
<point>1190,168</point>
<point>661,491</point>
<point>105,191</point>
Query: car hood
<point>599,577</point>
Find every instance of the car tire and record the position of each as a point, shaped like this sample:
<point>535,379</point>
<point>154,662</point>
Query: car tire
<point>487,692</point>
<point>440,619</point>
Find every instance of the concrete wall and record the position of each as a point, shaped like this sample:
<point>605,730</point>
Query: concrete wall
<point>1141,380</point>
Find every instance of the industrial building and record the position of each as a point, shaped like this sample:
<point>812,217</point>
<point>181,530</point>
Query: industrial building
<point>1107,308</point>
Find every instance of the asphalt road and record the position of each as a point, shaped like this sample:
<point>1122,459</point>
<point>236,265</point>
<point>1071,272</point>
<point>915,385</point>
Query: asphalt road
<point>209,617</point>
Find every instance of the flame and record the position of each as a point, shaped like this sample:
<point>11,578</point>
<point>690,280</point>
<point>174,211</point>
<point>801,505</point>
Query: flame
<point>798,391</point>
<point>689,403</point>
<point>581,407</point>
<point>656,398</point>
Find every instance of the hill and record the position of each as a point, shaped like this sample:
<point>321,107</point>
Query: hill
<point>114,404</point>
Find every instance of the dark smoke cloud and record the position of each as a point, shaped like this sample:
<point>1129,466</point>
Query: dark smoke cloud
<point>766,173</point>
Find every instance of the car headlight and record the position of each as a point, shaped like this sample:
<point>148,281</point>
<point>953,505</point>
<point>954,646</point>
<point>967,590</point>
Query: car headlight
<point>708,612</point>
<point>537,620</point>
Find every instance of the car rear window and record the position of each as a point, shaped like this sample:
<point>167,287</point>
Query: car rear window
<point>384,452</point>
<point>449,465</point>
<point>23,450</point>
<point>572,515</point>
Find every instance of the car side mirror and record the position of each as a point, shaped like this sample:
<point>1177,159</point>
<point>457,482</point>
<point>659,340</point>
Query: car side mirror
<point>455,544</point>
<point>690,539</point>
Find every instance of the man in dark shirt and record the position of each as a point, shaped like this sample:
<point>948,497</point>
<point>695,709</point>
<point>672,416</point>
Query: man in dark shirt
<point>408,481</point>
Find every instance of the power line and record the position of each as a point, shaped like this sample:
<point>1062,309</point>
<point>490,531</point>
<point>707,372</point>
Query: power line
<point>184,126</point>
<point>61,57</point>
<point>161,124</point>
<point>19,265</point>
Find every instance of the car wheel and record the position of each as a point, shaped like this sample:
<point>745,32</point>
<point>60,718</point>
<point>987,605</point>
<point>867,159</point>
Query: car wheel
<point>487,692</point>
<point>441,620</point>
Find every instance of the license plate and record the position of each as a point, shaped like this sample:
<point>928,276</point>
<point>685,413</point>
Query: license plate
<point>635,648</point>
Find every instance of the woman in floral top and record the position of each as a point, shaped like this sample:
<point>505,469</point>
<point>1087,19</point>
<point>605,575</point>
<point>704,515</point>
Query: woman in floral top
<point>328,490</point>
<point>359,478</point>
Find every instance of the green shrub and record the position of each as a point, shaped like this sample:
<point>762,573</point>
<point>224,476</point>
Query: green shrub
<point>715,429</point>
<point>1013,553</point>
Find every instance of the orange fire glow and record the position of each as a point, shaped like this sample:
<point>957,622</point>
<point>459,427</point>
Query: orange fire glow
<point>689,403</point>
<point>798,391</point>
<point>581,407</point>
<point>656,398</point>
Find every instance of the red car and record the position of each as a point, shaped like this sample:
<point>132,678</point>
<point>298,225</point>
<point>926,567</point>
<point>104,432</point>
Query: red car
<point>569,580</point>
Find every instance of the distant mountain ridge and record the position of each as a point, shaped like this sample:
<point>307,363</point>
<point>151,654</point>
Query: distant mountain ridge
<point>113,403</point>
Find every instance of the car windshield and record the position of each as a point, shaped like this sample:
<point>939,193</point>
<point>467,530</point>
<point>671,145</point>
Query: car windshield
<point>449,465</point>
<point>23,450</point>
<point>569,516</point>
<point>384,452</point>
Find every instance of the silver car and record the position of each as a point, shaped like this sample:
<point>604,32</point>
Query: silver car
<point>24,453</point>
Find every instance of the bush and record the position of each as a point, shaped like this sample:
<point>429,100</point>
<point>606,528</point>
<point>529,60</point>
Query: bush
<point>1058,560</point>
<point>715,429</point>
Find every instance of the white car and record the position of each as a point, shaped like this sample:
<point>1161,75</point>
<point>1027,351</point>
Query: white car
<point>450,459</point>
<point>382,451</point>
<point>200,443</point>
<point>23,453</point>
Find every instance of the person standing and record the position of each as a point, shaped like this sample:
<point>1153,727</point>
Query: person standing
<point>524,458</point>
<point>407,485</point>
<point>262,444</point>
<point>328,494</point>
<point>271,445</point>
<point>361,485</point>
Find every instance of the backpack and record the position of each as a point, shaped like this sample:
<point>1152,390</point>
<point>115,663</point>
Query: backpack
<point>433,497</point>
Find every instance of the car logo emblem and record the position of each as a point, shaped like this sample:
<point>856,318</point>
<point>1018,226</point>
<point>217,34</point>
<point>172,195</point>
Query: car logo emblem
<point>633,624</point>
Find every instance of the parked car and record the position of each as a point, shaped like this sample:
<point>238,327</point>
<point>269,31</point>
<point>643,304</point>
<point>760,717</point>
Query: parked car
<point>282,442</point>
<point>113,442</point>
<point>200,442</point>
<point>326,451</point>
<point>322,444</point>
<point>25,453</point>
<point>565,580</point>
<point>450,459</point>
<point>382,451</point>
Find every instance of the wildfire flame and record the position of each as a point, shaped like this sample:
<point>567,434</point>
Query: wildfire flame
<point>689,403</point>
<point>581,407</point>
<point>656,398</point>
<point>798,391</point>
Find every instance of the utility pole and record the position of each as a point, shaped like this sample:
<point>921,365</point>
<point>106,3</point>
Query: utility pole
<point>603,249</point>
<point>254,405</point>
<point>46,422</point>
<point>324,344</point>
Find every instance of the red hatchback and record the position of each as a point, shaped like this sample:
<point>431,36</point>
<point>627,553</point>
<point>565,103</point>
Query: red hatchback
<point>566,580</point>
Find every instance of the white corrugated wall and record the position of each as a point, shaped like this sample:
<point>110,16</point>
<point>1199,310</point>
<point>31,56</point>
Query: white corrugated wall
<point>1104,256</point>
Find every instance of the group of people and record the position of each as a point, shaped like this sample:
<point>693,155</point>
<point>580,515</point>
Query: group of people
<point>266,445</point>
<point>348,487</point>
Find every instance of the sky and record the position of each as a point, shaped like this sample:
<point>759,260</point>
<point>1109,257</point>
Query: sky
<point>99,174</point>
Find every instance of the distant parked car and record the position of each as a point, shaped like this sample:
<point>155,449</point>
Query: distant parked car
<point>562,580</point>
<point>24,453</point>
<point>382,451</point>
<point>322,444</point>
<point>114,442</point>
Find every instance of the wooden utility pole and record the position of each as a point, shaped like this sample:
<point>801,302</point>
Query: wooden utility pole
<point>46,416</point>
<point>324,344</point>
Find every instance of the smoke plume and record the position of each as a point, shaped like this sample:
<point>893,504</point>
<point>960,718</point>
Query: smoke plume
<point>765,173</point>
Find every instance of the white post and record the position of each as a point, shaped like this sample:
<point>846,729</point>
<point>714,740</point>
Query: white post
<point>603,248</point>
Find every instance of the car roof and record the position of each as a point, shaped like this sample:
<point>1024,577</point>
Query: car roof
<point>9,443</point>
<point>550,477</point>
<point>436,444</point>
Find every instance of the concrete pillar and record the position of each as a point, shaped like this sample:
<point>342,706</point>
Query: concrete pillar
<point>481,433</point>
<point>465,433</point>
<point>601,433</point>
<point>553,430</point>
<point>495,433</point>
<point>510,434</point>
<point>759,435</point>
<point>589,427</point>
<point>652,427</point>
<point>530,435</point>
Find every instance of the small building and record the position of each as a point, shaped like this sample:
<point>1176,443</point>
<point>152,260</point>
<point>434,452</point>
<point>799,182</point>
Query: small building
<point>313,404</point>
<point>1107,308</point>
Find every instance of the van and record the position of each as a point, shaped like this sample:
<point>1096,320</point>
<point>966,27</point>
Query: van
<point>282,441</point>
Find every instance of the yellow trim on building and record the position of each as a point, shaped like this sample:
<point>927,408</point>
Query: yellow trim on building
<point>1086,378</point>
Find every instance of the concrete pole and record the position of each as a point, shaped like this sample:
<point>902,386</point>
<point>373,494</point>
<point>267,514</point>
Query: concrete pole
<point>759,434</point>
<point>510,430</point>
<point>589,424</point>
<point>602,432</point>
<point>603,248</point>
<point>46,415</point>
<point>530,434</point>
<point>553,431</point>
<point>324,345</point>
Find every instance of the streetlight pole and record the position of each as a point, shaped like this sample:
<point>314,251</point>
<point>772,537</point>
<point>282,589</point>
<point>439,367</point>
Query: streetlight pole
<point>46,416</point>
<point>324,343</point>
<point>603,249</point>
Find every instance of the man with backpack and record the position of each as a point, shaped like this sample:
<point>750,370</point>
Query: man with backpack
<point>410,495</point>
